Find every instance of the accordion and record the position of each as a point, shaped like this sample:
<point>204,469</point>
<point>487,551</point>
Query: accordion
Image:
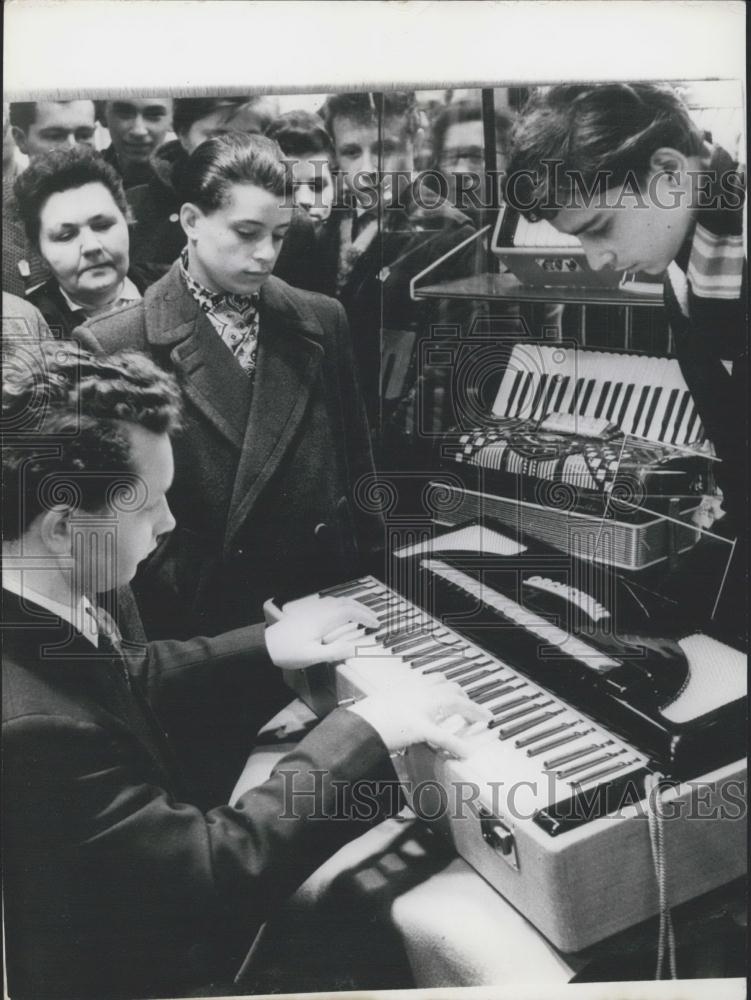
<point>590,434</point>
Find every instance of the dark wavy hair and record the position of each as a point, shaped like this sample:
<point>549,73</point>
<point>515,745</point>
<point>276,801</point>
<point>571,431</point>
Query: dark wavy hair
<point>62,170</point>
<point>602,134</point>
<point>64,422</point>
<point>299,133</point>
<point>235,158</point>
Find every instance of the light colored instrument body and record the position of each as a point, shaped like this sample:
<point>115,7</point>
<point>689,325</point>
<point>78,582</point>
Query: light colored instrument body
<point>583,884</point>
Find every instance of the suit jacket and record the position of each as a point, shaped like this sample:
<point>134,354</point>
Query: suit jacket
<point>115,884</point>
<point>264,490</point>
<point>157,238</point>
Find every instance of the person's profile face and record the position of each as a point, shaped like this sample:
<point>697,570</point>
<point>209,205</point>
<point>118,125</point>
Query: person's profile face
<point>59,125</point>
<point>138,127</point>
<point>83,237</point>
<point>221,121</point>
<point>137,516</point>
<point>314,186</point>
<point>362,153</point>
<point>234,248</point>
<point>630,232</point>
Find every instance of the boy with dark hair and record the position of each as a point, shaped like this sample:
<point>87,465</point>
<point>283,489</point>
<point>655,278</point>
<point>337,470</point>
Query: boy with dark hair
<point>156,236</point>
<point>115,882</point>
<point>624,168</point>
<point>137,128</point>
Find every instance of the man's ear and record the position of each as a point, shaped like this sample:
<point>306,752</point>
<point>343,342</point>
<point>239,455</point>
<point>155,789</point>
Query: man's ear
<point>19,137</point>
<point>55,530</point>
<point>667,160</point>
<point>190,216</point>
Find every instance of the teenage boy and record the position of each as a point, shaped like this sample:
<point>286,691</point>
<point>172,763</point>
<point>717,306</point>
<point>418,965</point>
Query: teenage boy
<point>115,883</point>
<point>625,169</point>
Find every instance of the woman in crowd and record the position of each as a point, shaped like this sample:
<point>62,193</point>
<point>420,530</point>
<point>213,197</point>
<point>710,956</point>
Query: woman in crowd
<point>74,211</point>
<point>157,236</point>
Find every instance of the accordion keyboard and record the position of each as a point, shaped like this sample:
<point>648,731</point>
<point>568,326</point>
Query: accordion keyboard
<point>640,395</point>
<point>532,734</point>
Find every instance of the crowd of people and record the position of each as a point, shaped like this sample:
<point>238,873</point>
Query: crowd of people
<point>197,322</point>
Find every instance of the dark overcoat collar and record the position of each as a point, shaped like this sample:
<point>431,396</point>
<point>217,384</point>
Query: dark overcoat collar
<point>262,425</point>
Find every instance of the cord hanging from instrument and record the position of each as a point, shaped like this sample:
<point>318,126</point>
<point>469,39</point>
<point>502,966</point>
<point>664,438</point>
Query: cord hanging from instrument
<point>655,819</point>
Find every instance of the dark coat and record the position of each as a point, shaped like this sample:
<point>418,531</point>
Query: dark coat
<point>376,295</point>
<point>61,319</point>
<point>115,884</point>
<point>156,236</point>
<point>264,486</point>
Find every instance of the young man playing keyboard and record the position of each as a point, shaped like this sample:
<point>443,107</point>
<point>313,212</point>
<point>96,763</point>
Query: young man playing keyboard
<point>115,883</point>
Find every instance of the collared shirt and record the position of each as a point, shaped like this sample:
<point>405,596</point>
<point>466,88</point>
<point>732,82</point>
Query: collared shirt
<point>80,614</point>
<point>234,317</point>
<point>128,293</point>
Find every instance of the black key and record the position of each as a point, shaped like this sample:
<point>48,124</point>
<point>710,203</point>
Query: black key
<point>550,731</point>
<point>484,689</point>
<point>405,644</point>
<point>603,397</point>
<point>575,396</point>
<point>561,393</point>
<point>447,666</point>
<point>512,394</point>
<point>565,758</point>
<point>560,740</point>
<point>507,689</point>
<point>651,410</point>
<point>520,727</point>
<point>538,394</point>
<point>693,420</point>
<point>624,406</point>
<point>613,400</point>
<point>679,416</point>
<point>552,386</point>
<point>472,679</point>
<point>585,398</point>
<point>531,705</point>
<point>668,413</point>
<point>639,409</point>
<point>523,394</point>
<point>459,671</point>
<point>371,600</point>
<point>603,772</point>
<point>424,658</point>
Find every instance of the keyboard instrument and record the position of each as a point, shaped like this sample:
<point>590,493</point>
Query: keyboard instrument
<point>549,805</point>
<point>590,433</point>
